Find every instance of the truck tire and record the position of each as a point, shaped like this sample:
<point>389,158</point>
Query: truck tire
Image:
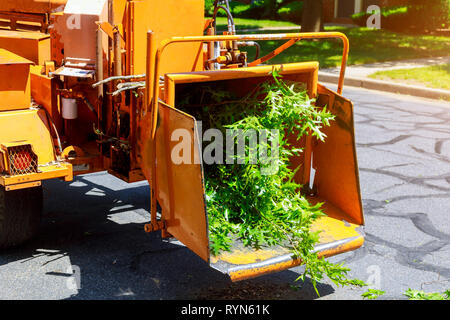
<point>20,215</point>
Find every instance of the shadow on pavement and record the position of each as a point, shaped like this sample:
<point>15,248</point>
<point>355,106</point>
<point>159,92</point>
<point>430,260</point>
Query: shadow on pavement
<point>97,222</point>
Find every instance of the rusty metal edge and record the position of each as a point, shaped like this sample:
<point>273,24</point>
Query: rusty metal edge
<point>286,261</point>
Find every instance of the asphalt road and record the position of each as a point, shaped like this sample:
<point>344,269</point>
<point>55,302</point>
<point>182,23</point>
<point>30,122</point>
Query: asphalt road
<point>93,227</point>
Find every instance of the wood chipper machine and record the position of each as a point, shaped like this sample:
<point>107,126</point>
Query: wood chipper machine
<point>93,85</point>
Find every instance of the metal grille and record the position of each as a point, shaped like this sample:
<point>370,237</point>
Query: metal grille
<point>22,160</point>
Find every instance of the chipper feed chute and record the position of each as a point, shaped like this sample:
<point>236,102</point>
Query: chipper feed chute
<point>330,169</point>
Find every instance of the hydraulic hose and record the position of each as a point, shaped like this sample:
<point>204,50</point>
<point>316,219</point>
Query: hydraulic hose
<point>251,44</point>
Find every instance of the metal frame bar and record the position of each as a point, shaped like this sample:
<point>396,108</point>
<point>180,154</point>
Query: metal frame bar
<point>155,62</point>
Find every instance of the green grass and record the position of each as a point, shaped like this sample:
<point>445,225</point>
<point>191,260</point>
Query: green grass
<point>366,46</point>
<point>254,24</point>
<point>433,76</point>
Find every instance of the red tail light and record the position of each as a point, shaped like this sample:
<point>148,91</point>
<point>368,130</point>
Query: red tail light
<point>22,160</point>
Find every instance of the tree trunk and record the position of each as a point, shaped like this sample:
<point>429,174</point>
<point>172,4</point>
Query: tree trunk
<point>271,9</point>
<point>312,18</point>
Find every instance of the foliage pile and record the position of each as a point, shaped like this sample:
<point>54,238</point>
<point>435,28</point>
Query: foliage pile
<point>264,209</point>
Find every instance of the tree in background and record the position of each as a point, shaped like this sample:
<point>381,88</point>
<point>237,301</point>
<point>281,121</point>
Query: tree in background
<point>312,19</point>
<point>271,8</point>
<point>430,14</point>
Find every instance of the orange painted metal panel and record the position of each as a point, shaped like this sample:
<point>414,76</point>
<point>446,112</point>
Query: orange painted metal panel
<point>31,6</point>
<point>33,46</point>
<point>43,91</point>
<point>7,57</point>
<point>308,68</point>
<point>335,161</point>
<point>25,185</point>
<point>14,81</point>
<point>58,170</point>
<point>28,125</point>
<point>119,10</point>
<point>167,19</point>
<point>180,188</point>
<point>31,127</point>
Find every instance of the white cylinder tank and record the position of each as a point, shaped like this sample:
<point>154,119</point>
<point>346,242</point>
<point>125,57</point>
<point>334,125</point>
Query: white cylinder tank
<point>69,108</point>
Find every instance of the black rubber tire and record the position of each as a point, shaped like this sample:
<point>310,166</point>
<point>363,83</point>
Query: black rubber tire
<point>20,215</point>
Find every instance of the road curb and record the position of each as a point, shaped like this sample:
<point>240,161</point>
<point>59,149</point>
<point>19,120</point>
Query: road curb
<point>387,86</point>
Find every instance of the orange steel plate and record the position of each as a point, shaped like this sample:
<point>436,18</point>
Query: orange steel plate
<point>28,125</point>
<point>14,82</point>
<point>180,190</point>
<point>31,6</point>
<point>33,46</point>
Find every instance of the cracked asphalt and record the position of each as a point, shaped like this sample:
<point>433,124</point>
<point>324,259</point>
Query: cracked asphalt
<point>93,227</point>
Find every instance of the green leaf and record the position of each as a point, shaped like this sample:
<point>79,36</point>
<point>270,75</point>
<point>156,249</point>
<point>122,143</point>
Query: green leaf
<point>372,294</point>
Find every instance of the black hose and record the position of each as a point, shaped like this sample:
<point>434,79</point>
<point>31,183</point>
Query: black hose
<point>49,118</point>
<point>231,25</point>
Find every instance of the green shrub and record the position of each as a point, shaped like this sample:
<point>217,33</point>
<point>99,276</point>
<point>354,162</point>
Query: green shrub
<point>256,10</point>
<point>396,18</point>
<point>238,8</point>
<point>261,9</point>
<point>428,15</point>
<point>209,10</point>
<point>360,18</point>
<point>391,17</point>
<point>291,12</point>
<point>419,16</point>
